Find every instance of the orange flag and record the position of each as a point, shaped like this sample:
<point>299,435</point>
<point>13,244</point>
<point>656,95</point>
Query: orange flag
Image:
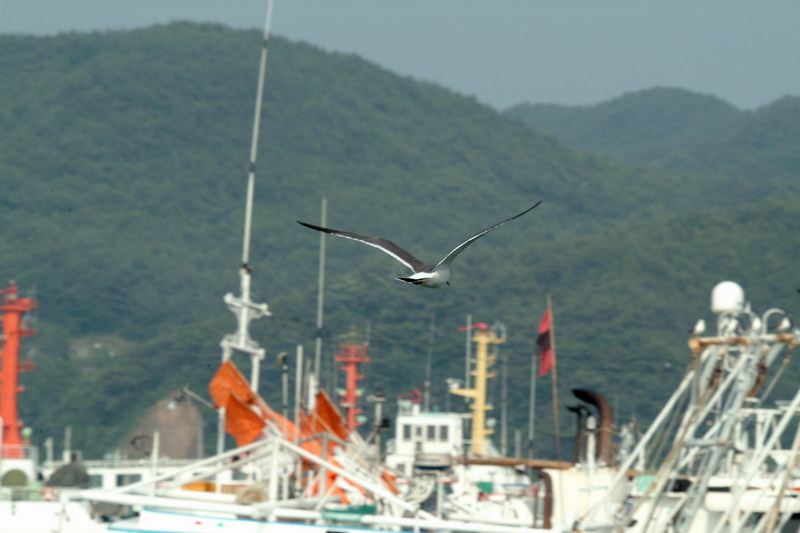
<point>228,380</point>
<point>229,389</point>
<point>241,422</point>
<point>325,417</point>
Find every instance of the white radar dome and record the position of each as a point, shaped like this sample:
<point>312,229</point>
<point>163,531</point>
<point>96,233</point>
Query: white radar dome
<point>727,298</point>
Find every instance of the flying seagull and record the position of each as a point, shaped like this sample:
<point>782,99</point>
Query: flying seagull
<point>432,276</point>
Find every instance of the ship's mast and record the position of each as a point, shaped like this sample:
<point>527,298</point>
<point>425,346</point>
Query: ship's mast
<point>483,337</point>
<point>242,306</point>
<point>352,356</point>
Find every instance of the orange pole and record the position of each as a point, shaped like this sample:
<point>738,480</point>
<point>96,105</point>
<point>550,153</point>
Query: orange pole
<point>13,308</point>
<point>351,355</point>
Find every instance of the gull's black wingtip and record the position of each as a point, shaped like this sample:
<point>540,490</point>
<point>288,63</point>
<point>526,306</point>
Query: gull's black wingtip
<point>306,224</point>
<point>318,228</point>
<point>531,208</point>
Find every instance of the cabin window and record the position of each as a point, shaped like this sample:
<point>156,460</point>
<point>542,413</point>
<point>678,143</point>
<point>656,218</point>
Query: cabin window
<point>127,479</point>
<point>431,433</point>
<point>418,431</point>
<point>406,432</point>
<point>443,433</point>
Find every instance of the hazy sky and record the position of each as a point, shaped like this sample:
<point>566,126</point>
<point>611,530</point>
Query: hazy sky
<point>503,52</point>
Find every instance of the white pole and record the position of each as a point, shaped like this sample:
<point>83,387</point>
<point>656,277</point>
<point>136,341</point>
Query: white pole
<point>255,369</point>
<point>298,384</point>
<point>48,445</point>
<point>468,359</point>
<point>426,401</point>
<point>154,461</point>
<point>254,142</point>
<point>242,307</point>
<point>320,289</point>
<point>503,403</point>
<point>272,490</point>
<point>220,429</point>
<point>200,443</point>
<point>67,444</point>
<point>298,389</point>
<point>532,407</point>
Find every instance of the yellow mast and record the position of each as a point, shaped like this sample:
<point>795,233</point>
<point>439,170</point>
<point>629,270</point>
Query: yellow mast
<point>483,361</point>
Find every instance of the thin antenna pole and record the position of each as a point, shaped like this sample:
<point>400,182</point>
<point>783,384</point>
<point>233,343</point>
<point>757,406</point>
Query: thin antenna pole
<point>468,358</point>
<point>244,309</point>
<point>248,217</point>
<point>554,376</point>
<point>503,403</point>
<point>532,406</point>
<point>298,387</point>
<point>426,406</point>
<point>320,289</point>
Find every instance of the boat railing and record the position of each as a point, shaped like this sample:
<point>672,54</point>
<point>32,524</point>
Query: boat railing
<point>19,451</point>
<point>33,492</point>
<point>164,462</point>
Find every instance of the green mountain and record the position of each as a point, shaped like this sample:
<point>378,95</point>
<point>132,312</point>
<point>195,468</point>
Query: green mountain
<point>762,148</point>
<point>752,154</point>
<point>123,157</point>
<point>639,126</point>
<point>682,131</point>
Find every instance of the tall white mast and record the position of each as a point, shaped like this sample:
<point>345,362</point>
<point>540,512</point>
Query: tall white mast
<point>320,290</point>
<point>242,306</point>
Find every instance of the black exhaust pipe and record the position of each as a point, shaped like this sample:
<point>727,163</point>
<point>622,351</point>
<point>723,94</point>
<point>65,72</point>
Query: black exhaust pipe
<point>605,437</point>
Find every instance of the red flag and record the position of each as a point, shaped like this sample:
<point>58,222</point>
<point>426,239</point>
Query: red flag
<point>544,349</point>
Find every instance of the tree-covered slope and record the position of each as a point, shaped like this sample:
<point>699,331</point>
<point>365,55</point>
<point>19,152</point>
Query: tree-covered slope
<point>123,157</point>
<point>685,132</point>
<point>763,149</point>
<point>637,126</point>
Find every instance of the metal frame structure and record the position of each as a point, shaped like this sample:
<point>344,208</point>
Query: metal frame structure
<point>714,458</point>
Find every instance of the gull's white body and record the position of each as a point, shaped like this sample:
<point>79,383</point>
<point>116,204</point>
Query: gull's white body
<point>433,280</point>
<point>432,276</point>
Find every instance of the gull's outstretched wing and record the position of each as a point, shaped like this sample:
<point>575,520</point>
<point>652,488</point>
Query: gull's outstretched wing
<point>381,244</point>
<point>460,248</point>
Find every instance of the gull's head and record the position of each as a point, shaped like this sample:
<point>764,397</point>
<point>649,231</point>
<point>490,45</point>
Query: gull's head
<point>437,278</point>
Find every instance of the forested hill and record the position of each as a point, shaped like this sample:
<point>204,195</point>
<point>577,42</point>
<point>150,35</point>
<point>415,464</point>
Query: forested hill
<point>637,126</point>
<point>126,154</point>
<point>123,158</point>
<point>682,131</point>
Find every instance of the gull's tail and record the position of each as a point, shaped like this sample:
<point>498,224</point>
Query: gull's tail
<point>416,281</point>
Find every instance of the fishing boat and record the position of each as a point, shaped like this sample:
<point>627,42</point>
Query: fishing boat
<point>720,456</point>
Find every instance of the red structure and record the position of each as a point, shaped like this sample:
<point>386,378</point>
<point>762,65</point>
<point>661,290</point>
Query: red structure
<point>13,308</point>
<point>351,355</point>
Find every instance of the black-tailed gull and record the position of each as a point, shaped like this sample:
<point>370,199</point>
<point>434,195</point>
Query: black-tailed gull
<point>432,276</point>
